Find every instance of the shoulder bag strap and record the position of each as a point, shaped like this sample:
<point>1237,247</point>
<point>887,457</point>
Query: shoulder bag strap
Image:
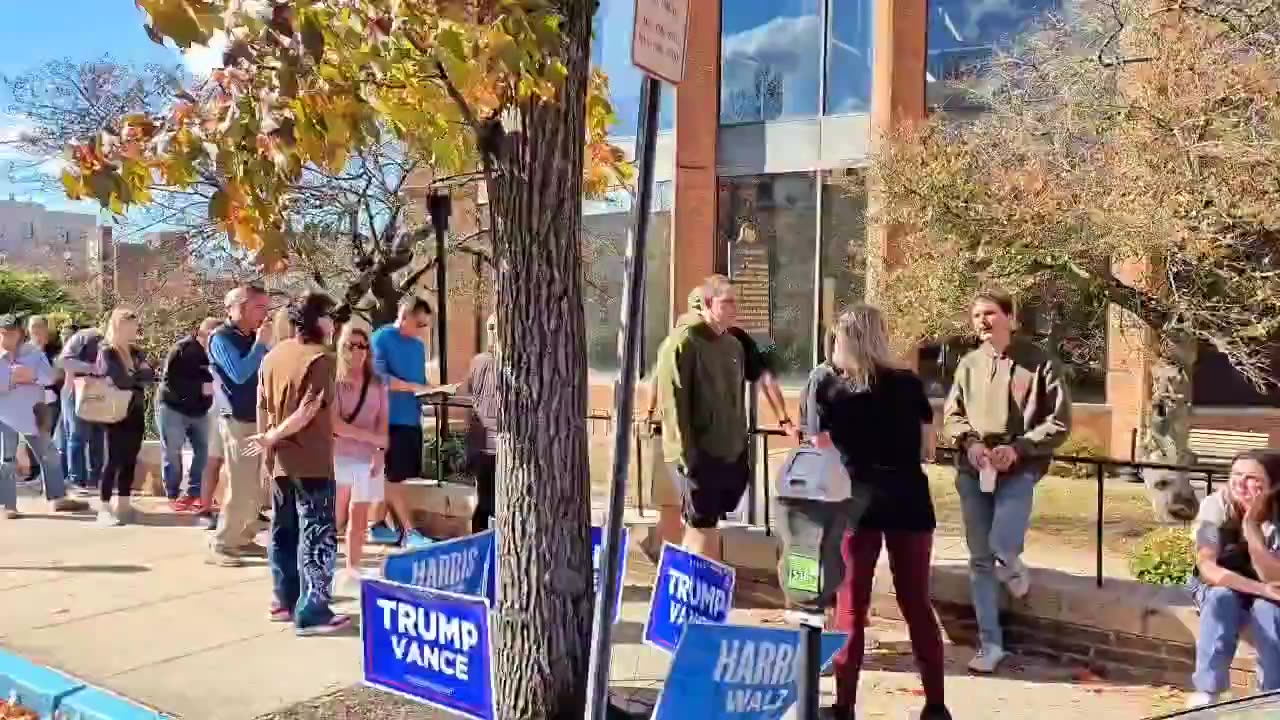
<point>364,393</point>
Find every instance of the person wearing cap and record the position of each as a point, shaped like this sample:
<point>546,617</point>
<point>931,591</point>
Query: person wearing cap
<point>236,351</point>
<point>24,374</point>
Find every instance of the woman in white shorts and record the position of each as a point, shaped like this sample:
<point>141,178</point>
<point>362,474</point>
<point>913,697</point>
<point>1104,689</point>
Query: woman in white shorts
<point>360,441</point>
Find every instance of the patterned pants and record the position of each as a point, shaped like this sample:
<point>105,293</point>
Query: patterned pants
<point>304,545</point>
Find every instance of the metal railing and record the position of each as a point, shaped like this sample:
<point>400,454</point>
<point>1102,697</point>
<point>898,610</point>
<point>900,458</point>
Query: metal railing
<point>759,501</point>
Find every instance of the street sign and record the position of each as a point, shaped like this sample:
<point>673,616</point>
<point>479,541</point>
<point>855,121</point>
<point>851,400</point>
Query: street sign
<point>463,566</point>
<point>689,589</point>
<point>428,646</point>
<point>739,671</point>
<point>658,40</point>
<point>597,566</point>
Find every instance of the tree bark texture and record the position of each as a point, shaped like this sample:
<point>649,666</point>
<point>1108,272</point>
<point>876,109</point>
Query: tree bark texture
<point>543,614</point>
<point>1166,437</point>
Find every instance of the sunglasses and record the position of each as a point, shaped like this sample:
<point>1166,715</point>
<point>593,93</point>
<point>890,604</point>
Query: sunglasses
<point>357,346</point>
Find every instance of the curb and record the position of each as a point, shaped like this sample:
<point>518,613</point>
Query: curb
<point>56,695</point>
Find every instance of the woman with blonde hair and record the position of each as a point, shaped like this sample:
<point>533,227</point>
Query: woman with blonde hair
<point>360,441</point>
<point>877,415</point>
<point>126,366</point>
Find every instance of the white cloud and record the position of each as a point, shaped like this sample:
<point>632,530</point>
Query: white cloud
<point>201,60</point>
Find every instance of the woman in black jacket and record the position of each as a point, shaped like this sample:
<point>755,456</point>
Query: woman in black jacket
<point>127,367</point>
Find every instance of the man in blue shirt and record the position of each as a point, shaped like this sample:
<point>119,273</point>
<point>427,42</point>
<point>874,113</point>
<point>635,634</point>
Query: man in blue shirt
<point>400,357</point>
<point>24,374</point>
<point>236,351</point>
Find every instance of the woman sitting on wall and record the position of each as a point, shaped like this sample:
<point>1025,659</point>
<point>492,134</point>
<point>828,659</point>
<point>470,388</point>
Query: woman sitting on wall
<point>1228,587</point>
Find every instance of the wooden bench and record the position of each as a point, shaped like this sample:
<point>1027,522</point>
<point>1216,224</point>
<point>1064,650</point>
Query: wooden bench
<point>1218,447</point>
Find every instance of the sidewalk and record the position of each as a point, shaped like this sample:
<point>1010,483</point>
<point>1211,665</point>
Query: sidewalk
<point>137,611</point>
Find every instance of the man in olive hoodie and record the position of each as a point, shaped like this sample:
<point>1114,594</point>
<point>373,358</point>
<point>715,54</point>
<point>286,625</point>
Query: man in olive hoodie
<point>699,382</point>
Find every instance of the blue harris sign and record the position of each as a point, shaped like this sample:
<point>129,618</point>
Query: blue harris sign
<point>597,558</point>
<point>735,670</point>
<point>463,566</point>
<point>689,589</point>
<point>428,646</point>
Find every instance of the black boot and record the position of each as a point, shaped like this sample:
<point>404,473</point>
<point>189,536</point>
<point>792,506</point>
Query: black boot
<point>935,711</point>
<point>835,712</point>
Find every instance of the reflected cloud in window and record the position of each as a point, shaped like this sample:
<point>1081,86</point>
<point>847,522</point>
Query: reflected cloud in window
<point>611,52</point>
<point>963,35</point>
<point>849,57</point>
<point>770,60</point>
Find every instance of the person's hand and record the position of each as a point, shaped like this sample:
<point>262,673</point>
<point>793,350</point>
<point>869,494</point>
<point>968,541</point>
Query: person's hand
<point>1270,591</point>
<point>978,454</point>
<point>1003,457</point>
<point>207,389</point>
<point>822,441</point>
<point>22,375</point>
<point>261,444</point>
<point>790,428</point>
<point>264,334</point>
<point>1260,510</point>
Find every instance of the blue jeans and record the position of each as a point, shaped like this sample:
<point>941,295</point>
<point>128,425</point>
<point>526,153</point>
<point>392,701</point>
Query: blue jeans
<point>176,429</point>
<point>84,441</point>
<point>1223,613</point>
<point>42,452</point>
<point>304,546</point>
<point>995,529</point>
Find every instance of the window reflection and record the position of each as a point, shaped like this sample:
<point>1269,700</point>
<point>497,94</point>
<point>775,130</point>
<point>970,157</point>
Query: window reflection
<point>962,37</point>
<point>770,59</point>
<point>844,243</point>
<point>767,224</point>
<point>849,57</point>
<point>611,52</point>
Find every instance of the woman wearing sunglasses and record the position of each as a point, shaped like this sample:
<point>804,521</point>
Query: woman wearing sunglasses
<point>360,441</point>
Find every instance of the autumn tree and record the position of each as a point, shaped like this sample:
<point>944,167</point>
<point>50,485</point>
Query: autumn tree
<point>502,87</point>
<point>1128,150</point>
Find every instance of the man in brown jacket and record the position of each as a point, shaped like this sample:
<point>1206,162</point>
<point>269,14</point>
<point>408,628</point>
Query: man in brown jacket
<point>1007,410</point>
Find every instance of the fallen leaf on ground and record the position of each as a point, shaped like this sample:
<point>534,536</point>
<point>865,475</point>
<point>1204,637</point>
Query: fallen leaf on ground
<point>1085,676</point>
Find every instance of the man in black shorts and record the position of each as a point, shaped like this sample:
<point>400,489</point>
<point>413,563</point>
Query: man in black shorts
<point>699,382</point>
<point>400,358</point>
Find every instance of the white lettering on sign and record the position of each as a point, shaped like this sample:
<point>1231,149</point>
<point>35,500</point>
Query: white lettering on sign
<point>447,571</point>
<point>428,638</point>
<point>658,39</point>
<point>755,663</point>
<point>690,595</point>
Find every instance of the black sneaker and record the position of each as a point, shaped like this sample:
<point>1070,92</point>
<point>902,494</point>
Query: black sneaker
<point>835,712</point>
<point>935,712</point>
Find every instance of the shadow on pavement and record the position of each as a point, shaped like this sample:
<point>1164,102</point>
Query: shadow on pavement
<point>112,569</point>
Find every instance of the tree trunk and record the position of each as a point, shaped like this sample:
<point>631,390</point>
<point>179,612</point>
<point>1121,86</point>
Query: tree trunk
<point>1166,437</point>
<point>544,599</point>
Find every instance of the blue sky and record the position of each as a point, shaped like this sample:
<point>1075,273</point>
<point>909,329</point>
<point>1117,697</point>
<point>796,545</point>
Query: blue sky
<point>36,31</point>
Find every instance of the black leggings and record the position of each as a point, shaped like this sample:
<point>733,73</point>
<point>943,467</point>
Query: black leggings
<point>485,468</point>
<point>124,442</point>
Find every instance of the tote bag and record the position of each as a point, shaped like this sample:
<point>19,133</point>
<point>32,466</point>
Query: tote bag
<point>98,401</point>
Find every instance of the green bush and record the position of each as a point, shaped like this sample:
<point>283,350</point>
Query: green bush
<point>454,455</point>
<point>1166,556</point>
<point>1077,446</point>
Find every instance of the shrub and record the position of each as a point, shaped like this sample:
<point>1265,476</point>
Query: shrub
<point>1078,446</point>
<point>1166,556</point>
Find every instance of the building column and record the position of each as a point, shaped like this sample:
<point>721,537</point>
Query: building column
<point>693,218</point>
<point>1130,350</point>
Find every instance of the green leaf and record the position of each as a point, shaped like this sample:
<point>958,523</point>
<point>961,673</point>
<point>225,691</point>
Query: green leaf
<point>451,40</point>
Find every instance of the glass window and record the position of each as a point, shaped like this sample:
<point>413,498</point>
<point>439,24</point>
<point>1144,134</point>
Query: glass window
<point>771,56</point>
<point>611,52</point>
<point>962,37</point>
<point>849,57</point>
<point>844,243</point>
<point>606,226</point>
<point>767,222</point>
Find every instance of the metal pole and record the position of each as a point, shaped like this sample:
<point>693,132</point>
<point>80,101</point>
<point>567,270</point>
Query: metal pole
<point>807,674</point>
<point>1101,479</point>
<point>629,349</point>
<point>440,207</point>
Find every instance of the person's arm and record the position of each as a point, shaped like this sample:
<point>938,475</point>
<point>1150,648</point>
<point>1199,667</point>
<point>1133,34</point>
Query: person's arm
<point>382,366</point>
<point>773,395</point>
<point>115,370</point>
<point>1265,562</point>
<point>956,428</point>
<point>239,368</point>
<point>675,382</point>
<point>924,411</point>
<point>43,370</point>
<point>1211,573</point>
<point>1055,426</point>
<point>143,373</point>
<point>70,357</point>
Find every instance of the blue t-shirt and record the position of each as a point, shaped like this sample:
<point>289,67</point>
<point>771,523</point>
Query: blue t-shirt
<point>404,358</point>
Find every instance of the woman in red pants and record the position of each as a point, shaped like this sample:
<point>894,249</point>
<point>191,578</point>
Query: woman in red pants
<point>878,416</point>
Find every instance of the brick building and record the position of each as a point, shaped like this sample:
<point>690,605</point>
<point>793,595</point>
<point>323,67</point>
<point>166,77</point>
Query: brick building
<point>760,176</point>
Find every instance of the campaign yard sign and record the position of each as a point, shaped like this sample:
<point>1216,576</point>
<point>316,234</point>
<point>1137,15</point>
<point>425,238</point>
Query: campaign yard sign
<point>428,646</point>
<point>737,671</point>
<point>690,588</point>
<point>463,566</point>
<point>597,562</point>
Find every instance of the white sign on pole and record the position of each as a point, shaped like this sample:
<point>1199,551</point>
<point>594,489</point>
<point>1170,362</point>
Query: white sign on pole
<point>658,40</point>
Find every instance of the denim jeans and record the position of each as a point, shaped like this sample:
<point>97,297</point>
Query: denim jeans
<point>84,441</point>
<point>304,546</point>
<point>1223,613</point>
<point>995,528</point>
<point>176,429</point>
<point>42,452</point>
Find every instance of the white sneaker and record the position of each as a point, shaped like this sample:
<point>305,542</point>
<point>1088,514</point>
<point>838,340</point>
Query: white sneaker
<point>987,659</point>
<point>1016,576</point>
<point>800,617</point>
<point>107,519</point>
<point>1201,699</point>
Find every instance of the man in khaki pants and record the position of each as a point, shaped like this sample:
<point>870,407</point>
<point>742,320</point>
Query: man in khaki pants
<point>236,351</point>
